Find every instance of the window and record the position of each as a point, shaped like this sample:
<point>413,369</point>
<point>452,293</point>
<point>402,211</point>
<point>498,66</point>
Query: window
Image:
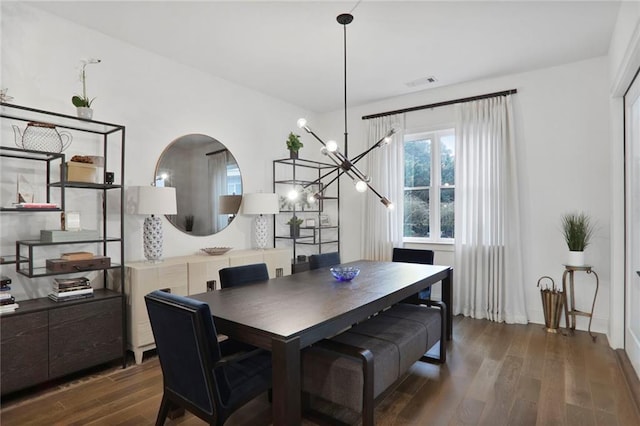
<point>429,170</point>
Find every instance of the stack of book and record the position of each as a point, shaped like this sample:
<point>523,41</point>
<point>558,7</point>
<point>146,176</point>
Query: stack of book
<point>7,301</point>
<point>70,289</point>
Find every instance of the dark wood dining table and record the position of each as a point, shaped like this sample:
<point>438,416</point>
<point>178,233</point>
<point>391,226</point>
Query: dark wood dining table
<point>287,314</point>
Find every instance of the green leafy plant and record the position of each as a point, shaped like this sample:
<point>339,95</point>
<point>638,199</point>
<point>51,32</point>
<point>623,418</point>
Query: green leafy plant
<point>577,230</point>
<point>84,101</point>
<point>295,220</point>
<point>293,142</point>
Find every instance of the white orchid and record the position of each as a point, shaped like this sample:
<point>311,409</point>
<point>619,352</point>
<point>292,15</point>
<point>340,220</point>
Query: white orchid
<point>84,101</point>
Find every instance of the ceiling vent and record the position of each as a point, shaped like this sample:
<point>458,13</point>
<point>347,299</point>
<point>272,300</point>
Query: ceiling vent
<point>421,81</point>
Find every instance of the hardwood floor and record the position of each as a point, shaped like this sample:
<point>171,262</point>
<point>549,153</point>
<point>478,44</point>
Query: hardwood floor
<point>496,374</point>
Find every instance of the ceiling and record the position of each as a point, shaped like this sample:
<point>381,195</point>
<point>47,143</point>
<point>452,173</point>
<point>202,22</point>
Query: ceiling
<point>293,50</point>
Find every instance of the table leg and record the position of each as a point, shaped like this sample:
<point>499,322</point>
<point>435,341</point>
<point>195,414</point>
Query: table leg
<point>565,298</point>
<point>285,357</point>
<point>573,301</point>
<point>447,298</point>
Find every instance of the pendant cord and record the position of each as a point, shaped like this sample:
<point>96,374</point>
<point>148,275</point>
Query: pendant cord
<point>346,133</point>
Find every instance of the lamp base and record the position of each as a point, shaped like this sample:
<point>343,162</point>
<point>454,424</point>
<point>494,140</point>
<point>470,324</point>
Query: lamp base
<point>261,232</point>
<point>152,239</point>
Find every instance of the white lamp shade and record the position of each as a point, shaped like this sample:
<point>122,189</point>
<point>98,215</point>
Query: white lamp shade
<point>229,204</point>
<point>260,203</point>
<point>156,200</point>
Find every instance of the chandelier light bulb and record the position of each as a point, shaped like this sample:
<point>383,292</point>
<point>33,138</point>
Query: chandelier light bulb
<point>361,186</point>
<point>387,140</point>
<point>302,122</point>
<point>332,146</point>
<point>312,198</point>
<point>388,204</point>
<point>292,195</point>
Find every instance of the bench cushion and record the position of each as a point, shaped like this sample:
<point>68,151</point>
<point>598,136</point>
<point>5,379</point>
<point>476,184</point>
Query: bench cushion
<point>429,318</point>
<point>408,335</point>
<point>337,378</point>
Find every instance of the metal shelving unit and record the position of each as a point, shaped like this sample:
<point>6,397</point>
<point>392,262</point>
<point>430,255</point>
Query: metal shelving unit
<point>111,145</point>
<point>298,173</point>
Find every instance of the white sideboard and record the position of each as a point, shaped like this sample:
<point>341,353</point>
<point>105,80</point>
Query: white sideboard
<point>185,275</point>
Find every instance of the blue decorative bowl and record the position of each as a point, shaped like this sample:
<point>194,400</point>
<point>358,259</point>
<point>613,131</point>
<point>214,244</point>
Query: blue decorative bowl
<point>344,273</point>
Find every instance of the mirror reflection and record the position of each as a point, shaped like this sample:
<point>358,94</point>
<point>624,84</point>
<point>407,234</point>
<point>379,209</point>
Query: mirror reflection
<point>207,181</point>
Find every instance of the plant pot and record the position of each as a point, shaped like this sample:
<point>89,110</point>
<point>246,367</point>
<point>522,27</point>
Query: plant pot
<point>293,155</point>
<point>576,258</point>
<point>294,230</point>
<point>85,112</point>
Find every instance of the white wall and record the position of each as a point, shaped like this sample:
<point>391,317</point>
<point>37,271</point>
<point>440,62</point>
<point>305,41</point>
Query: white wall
<point>562,130</point>
<point>156,99</point>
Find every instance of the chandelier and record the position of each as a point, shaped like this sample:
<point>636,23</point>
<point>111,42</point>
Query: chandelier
<point>344,165</point>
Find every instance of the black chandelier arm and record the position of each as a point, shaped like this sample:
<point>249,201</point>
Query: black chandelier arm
<point>374,146</point>
<point>308,130</point>
<point>321,178</point>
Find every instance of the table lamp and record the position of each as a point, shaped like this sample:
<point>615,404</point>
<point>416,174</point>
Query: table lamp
<point>230,204</point>
<point>260,204</point>
<point>152,201</point>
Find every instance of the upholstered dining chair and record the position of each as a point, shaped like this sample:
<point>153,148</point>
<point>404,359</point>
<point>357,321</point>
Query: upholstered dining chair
<point>324,260</point>
<point>207,378</point>
<point>245,274</point>
<point>424,257</point>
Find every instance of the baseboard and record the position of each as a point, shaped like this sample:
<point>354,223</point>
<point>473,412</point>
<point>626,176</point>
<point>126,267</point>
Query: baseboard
<point>630,377</point>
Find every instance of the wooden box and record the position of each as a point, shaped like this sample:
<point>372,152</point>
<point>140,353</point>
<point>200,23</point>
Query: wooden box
<point>81,172</point>
<point>60,265</point>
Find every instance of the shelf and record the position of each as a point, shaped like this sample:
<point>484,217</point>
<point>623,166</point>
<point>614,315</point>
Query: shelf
<point>44,303</point>
<point>21,113</point>
<point>301,162</point>
<point>44,272</point>
<point>11,259</point>
<point>29,210</point>
<point>37,243</point>
<point>27,154</point>
<point>304,243</point>
<point>85,185</point>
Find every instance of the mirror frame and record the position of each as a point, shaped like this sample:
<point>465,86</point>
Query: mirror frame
<point>179,221</point>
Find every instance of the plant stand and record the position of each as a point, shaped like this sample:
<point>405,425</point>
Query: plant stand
<point>570,309</point>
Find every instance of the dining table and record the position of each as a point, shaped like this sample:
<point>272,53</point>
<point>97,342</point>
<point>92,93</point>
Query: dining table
<point>286,314</point>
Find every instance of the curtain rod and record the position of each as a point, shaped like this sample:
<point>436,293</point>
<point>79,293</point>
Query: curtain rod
<point>217,152</point>
<point>440,104</point>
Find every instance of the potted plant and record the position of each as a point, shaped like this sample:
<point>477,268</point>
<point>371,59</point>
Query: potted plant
<point>577,230</point>
<point>83,103</point>
<point>294,226</point>
<point>294,145</point>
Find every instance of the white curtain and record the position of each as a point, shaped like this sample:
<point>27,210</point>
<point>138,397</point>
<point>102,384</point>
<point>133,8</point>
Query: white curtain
<point>382,227</point>
<point>218,177</point>
<point>488,279</point>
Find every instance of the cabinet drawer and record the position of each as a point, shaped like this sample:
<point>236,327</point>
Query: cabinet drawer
<point>202,272</point>
<point>84,335</point>
<point>23,351</point>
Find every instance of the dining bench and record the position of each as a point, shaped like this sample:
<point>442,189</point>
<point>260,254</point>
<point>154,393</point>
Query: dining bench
<point>355,367</point>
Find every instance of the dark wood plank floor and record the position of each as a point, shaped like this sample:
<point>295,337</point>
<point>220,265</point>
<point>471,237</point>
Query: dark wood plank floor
<point>496,374</point>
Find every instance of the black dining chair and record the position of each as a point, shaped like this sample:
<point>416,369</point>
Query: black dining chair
<point>324,260</point>
<point>423,297</point>
<point>208,378</point>
<point>245,274</point>
<point>424,257</point>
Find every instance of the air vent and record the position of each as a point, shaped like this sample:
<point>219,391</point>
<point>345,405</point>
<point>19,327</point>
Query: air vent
<point>421,81</point>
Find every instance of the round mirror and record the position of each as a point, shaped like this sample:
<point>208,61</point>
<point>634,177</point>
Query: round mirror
<point>207,181</point>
